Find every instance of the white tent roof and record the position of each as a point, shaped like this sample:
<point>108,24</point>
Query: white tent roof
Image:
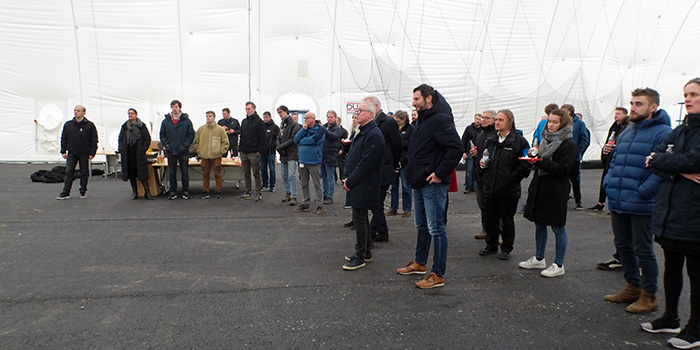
<point>521,55</point>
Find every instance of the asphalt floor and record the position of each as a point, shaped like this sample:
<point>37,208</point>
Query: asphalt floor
<point>108,272</point>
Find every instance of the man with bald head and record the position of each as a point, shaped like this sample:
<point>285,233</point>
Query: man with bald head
<point>78,145</point>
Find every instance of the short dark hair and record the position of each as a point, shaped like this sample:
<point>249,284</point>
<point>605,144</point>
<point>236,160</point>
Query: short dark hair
<point>176,102</point>
<point>692,81</point>
<point>283,108</point>
<point>622,109</point>
<point>252,104</point>
<point>131,109</point>
<point>550,107</point>
<point>425,91</point>
<point>569,108</point>
<point>226,110</point>
<point>564,115</point>
<point>650,94</point>
<point>210,112</point>
<point>267,113</point>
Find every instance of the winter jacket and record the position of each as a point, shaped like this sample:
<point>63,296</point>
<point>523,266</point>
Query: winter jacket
<point>480,144</point>
<point>470,133</point>
<point>286,147</point>
<point>210,142</point>
<point>392,146</point>
<point>363,167</point>
<point>79,138</point>
<point>435,147</point>
<point>310,143</point>
<point>406,137</point>
<point>676,215</point>
<point>631,187</point>
<point>143,144</point>
<point>272,133</point>
<point>232,123</point>
<point>537,136</point>
<point>252,134</point>
<point>504,171</point>
<point>176,138</point>
<point>332,144</point>
<point>548,193</point>
<point>582,136</point>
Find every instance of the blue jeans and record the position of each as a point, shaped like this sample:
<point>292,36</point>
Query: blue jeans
<point>469,174</point>
<point>328,178</point>
<point>173,161</point>
<point>430,203</point>
<point>268,162</point>
<point>289,176</point>
<point>541,242</point>
<point>405,191</point>
<point>635,244</point>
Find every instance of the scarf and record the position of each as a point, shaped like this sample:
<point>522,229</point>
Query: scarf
<point>133,131</point>
<point>551,141</point>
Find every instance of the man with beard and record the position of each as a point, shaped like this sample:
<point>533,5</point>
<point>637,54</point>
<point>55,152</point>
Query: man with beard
<point>251,147</point>
<point>631,188</point>
<point>468,138</point>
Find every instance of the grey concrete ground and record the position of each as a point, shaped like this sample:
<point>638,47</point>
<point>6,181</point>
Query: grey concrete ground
<point>107,272</point>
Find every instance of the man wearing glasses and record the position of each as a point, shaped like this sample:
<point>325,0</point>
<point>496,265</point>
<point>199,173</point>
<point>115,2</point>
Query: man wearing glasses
<point>487,129</point>
<point>363,170</point>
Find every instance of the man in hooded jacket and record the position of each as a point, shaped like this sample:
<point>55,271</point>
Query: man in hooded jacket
<point>176,135</point>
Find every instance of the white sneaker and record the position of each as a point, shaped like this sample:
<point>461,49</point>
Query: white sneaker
<point>533,263</point>
<point>553,271</point>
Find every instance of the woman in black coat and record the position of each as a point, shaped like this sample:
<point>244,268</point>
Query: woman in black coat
<point>134,141</point>
<point>549,191</point>
<point>676,219</point>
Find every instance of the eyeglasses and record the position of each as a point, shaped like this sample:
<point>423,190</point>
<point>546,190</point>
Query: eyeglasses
<point>359,110</point>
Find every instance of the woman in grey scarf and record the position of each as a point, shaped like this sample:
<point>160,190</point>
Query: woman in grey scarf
<point>134,141</point>
<point>549,191</point>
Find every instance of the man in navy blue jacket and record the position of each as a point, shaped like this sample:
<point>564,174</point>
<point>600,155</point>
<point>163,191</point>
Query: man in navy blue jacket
<point>363,170</point>
<point>177,134</point>
<point>433,154</point>
<point>631,189</point>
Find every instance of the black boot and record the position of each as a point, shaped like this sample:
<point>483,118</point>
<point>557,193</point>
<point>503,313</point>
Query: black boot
<point>146,190</point>
<point>134,189</point>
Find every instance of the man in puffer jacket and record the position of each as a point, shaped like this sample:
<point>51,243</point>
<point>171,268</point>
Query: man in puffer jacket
<point>310,140</point>
<point>631,190</point>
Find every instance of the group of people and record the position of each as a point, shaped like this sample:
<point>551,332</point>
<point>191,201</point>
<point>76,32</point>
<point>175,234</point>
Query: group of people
<point>651,180</point>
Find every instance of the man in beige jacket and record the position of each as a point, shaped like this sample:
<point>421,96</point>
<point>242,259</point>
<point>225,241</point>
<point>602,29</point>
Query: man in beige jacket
<point>210,143</point>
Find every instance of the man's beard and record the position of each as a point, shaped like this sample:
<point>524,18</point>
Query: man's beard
<point>639,118</point>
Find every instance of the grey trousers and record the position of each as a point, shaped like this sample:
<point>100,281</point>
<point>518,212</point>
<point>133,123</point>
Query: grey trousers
<point>313,171</point>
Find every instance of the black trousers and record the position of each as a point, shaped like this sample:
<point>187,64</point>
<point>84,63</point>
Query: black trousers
<point>601,194</point>
<point>502,209</point>
<point>71,161</point>
<point>575,178</point>
<point>673,285</point>
<point>378,224</point>
<point>361,220</point>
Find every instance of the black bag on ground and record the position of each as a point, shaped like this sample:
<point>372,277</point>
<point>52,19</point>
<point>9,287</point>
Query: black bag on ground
<point>37,175</point>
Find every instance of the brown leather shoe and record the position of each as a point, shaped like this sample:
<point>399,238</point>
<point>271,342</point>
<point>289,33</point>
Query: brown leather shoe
<point>391,212</point>
<point>412,268</point>
<point>431,281</point>
<point>480,235</point>
<point>406,214</point>
<point>627,296</point>
<point>646,303</point>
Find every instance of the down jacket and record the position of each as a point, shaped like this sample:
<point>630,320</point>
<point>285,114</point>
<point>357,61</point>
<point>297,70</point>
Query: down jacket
<point>676,214</point>
<point>176,138</point>
<point>333,143</point>
<point>286,147</point>
<point>310,142</point>
<point>631,187</point>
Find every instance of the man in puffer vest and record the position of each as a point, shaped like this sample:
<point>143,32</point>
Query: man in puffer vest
<point>631,188</point>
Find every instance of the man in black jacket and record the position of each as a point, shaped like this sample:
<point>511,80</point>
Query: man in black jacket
<point>391,158</point>
<point>331,147</point>
<point>363,169</point>
<point>233,129</point>
<point>289,154</point>
<point>251,147</point>
<point>78,145</point>
<point>177,135</point>
<point>487,129</point>
<point>468,138</point>
<point>432,156</point>
<point>267,158</point>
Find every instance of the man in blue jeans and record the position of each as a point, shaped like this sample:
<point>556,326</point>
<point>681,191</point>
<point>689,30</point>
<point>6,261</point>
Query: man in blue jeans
<point>267,157</point>
<point>432,156</point>
<point>177,134</point>
<point>631,189</point>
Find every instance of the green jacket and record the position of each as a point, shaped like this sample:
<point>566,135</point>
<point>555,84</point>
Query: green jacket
<point>210,142</point>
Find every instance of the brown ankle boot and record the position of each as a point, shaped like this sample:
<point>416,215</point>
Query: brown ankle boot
<point>627,296</point>
<point>647,302</point>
